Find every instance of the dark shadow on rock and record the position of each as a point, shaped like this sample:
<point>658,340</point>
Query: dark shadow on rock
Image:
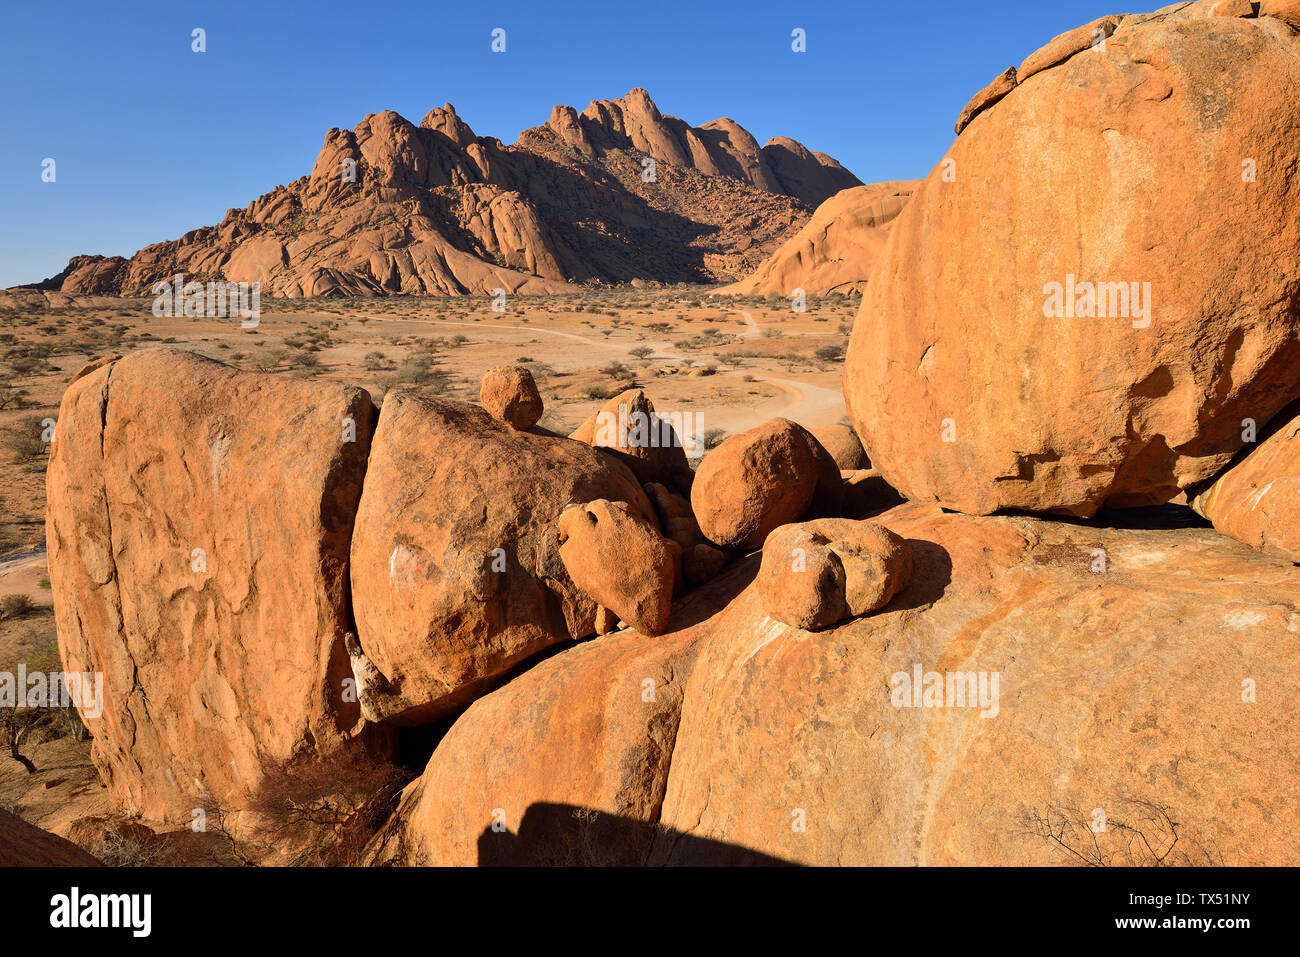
<point>1153,517</point>
<point>559,835</point>
<point>1284,417</point>
<point>931,573</point>
<point>710,598</point>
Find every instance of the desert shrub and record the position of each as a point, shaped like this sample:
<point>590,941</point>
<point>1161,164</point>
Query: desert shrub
<point>26,438</point>
<point>327,807</point>
<point>17,606</point>
<point>123,843</point>
<point>829,353</point>
<point>270,359</point>
<point>11,398</point>
<point>713,438</point>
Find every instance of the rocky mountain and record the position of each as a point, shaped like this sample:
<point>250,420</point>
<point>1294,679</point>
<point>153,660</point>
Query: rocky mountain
<point>616,193</point>
<point>835,249</point>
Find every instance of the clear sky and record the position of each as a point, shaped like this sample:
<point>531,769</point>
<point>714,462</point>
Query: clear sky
<point>151,140</point>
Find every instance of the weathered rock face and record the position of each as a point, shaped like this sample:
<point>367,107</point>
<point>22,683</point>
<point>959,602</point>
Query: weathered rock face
<point>25,845</point>
<point>391,207</point>
<point>1124,660</point>
<point>590,730</point>
<point>456,568</point>
<point>816,573</point>
<point>620,560</point>
<point>510,394</point>
<point>759,479</point>
<point>198,529</point>
<point>1079,176</point>
<point>1257,501</point>
<point>628,428</point>
<point>835,249</point>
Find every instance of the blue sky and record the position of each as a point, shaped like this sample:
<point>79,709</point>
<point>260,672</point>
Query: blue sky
<point>152,140</point>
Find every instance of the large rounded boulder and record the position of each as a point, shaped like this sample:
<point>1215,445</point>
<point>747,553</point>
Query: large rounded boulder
<point>753,482</point>
<point>457,576</point>
<point>1101,281</point>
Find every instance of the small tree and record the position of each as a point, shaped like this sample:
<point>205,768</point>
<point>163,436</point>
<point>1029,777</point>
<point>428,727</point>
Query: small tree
<point>14,725</point>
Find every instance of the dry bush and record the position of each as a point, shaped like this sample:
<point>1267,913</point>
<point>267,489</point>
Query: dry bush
<point>323,810</point>
<point>25,438</point>
<point>17,606</point>
<point>1138,833</point>
<point>713,438</point>
<point>117,842</point>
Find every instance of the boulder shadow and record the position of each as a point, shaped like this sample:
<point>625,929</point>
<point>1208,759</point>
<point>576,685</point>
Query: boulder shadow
<point>702,603</point>
<point>931,573</point>
<point>1151,517</point>
<point>568,835</point>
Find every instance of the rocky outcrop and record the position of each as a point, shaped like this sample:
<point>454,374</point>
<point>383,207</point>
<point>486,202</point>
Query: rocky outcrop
<point>927,687</point>
<point>199,520</point>
<point>628,428</point>
<point>1257,501</point>
<point>761,742</point>
<point>616,193</point>
<point>835,249</point>
<point>721,148</point>
<point>456,570</point>
<point>1110,367</point>
<point>599,722</point>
